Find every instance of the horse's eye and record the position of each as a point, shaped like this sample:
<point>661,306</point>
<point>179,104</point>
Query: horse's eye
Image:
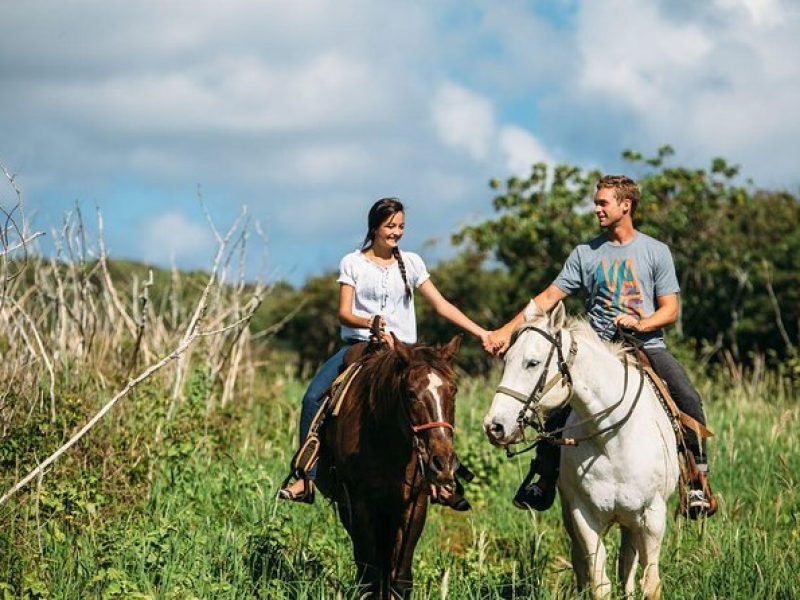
<point>531,363</point>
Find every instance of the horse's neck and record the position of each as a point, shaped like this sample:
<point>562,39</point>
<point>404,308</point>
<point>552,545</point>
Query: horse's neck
<point>383,424</point>
<point>600,383</point>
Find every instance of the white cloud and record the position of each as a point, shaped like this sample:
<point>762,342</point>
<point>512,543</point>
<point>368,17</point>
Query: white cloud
<point>463,120</point>
<point>309,110</point>
<point>716,79</point>
<point>172,236</point>
<point>636,64</point>
<point>234,96</point>
<point>762,12</point>
<point>521,150</point>
<point>324,163</point>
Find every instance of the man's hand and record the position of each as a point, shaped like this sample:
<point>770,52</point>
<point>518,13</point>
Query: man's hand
<point>628,322</point>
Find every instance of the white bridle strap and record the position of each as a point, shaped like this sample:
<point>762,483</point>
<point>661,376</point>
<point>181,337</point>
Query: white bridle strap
<point>550,384</point>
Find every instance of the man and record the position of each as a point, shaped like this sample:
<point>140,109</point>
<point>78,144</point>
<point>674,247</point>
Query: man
<point>629,281</point>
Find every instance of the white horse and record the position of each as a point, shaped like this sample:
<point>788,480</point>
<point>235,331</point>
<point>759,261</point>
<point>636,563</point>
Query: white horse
<point>625,466</point>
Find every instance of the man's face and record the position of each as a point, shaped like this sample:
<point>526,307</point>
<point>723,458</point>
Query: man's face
<point>608,210</point>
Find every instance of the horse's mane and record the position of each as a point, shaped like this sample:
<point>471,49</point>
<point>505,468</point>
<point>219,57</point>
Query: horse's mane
<point>379,386</point>
<point>583,331</point>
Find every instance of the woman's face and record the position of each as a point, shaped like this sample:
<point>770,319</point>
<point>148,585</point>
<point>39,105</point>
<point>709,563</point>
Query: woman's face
<point>390,231</point>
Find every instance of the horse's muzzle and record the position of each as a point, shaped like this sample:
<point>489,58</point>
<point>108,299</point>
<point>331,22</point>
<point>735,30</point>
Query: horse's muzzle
<point>442,468</point>
<point>498,432</point>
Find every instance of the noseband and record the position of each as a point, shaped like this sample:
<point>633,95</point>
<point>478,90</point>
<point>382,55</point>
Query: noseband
<point>530,402</point>
<point>416,442</point>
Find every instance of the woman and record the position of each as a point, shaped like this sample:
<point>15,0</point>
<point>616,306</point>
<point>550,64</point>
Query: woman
<point>377,280</point>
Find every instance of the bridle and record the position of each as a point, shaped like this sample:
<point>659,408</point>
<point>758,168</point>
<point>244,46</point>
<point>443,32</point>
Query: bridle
<point>531,402</point>
<point>416,440</point>
<point>416,428</point>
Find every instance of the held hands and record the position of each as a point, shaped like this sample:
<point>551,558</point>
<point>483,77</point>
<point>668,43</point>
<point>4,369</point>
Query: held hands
<point>496,342</point>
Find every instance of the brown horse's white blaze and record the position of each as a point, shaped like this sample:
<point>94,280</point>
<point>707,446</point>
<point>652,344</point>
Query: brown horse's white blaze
<point>435,383</point>
<point>436,426</point>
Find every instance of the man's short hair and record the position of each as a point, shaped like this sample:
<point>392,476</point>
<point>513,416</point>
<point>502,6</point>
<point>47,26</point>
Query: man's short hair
<point>624,187</point>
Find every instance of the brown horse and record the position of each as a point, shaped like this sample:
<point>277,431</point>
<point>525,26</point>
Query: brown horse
<point>393,437</point>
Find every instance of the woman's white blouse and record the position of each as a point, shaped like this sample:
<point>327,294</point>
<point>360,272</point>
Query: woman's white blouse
<point>381,291</point>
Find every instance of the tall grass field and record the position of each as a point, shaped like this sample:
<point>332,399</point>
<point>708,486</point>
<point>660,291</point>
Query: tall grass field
<point>195,515</point>
<point>175,419</point>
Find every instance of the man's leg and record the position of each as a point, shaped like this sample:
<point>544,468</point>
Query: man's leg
<point>685,396</point>
<point>540,494</point>
<point>688,400</point>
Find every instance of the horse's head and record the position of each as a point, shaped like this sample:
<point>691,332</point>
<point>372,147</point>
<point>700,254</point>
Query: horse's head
<point>533,382</point>
<point>428,406</point>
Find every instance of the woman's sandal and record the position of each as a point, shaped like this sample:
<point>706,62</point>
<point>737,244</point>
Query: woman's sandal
<point>306,496</point>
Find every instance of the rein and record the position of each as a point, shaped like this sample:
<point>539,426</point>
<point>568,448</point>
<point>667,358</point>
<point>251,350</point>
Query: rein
<point>531,402</point>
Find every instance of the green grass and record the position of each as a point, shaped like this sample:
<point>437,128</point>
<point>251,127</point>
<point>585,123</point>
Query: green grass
<point>201,520</point>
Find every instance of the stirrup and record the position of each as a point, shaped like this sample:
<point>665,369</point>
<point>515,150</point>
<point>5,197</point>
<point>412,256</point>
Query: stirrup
<point>535,496</point>
<point>700,502</point>
<point>306,496</point>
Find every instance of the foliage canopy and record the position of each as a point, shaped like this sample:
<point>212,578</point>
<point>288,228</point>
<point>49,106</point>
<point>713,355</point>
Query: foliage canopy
<point>736,249</point>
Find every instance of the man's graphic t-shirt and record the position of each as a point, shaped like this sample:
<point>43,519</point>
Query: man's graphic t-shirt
<point>620,280</point>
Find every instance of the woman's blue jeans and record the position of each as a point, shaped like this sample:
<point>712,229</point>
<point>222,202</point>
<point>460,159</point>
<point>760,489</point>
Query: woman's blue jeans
<point>316,390</point>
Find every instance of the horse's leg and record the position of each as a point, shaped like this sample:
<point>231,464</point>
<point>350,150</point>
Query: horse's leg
<point>406,536</point>
<point>362,533</point>
<point>627,562</point>
<point>589,531</point>
<point>579,565</point>
<point>650,536</point>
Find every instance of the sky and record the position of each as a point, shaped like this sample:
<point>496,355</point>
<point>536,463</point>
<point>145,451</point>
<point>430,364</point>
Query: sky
<point>308,111</point>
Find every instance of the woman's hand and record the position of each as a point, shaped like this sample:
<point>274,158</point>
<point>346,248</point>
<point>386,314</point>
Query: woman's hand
<point>485,338</point>
<point>387,339</point>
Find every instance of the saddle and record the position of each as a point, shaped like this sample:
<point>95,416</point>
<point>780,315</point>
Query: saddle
<point>307,455</point>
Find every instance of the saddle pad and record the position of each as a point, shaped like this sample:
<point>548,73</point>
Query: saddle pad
<point>341,385</point>
<point>675,413</point>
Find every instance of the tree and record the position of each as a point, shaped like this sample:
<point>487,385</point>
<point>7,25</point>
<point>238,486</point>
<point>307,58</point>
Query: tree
<point>736,248</point>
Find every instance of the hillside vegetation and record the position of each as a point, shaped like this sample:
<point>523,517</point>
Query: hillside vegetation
<point>173,399</point>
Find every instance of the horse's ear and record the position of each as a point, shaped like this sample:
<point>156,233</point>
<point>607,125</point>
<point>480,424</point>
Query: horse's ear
<point>532,311</point>
<point>451,349</point>
<point>402,350</point>
<point>558,316</point>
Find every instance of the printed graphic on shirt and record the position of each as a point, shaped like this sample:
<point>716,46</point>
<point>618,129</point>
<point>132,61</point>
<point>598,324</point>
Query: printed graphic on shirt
<point>618,288</point>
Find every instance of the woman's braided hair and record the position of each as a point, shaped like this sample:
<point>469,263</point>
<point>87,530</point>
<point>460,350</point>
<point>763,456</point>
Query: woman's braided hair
<point>380,211</point>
